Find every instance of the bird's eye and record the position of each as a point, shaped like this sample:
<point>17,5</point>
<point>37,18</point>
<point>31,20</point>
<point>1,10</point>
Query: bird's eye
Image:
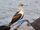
<point>21,4</point>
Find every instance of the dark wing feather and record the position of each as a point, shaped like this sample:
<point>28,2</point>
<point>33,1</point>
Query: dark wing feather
<point>15,18</point>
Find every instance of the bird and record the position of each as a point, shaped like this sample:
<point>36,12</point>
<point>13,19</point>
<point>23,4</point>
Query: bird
<point>18,15</point>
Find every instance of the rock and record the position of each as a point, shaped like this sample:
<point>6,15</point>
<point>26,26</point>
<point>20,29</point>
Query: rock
<point>36,24</point>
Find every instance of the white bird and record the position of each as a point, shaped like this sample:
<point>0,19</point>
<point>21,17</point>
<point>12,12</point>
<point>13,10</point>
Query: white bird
<point>18,15</point>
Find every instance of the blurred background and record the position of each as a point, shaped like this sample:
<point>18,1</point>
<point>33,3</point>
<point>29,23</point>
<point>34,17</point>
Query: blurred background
<point>8,9</point>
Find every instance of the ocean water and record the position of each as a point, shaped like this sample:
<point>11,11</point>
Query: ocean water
<point>8,9</point>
